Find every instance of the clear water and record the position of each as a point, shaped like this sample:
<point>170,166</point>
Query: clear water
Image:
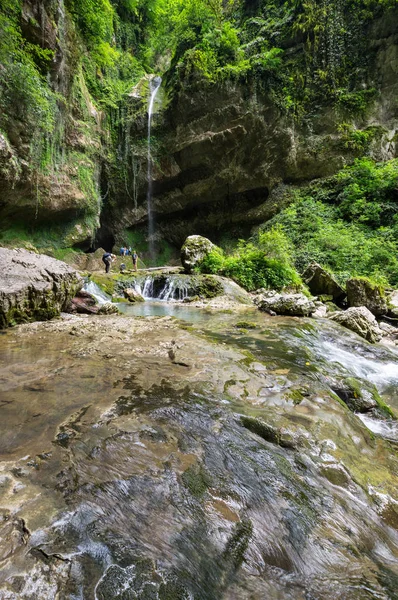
<point>135,477</point>
<point>158,308</point>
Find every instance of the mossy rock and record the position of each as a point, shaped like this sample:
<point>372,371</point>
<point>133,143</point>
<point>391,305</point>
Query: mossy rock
<point>246,325</point>
<point>196,480</point>
<point>107,282</point>
<point>364,292</point>
<point>208,286</point>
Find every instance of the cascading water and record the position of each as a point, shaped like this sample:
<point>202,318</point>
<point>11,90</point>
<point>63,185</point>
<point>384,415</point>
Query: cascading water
<point>154,87</point>
<point>167,290</point>
<point>93,289</point>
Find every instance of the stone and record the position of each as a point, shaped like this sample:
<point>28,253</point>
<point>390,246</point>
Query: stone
<point>362,292</point>
<point>83,303</point>
<point>294,305</point>
<point>108,309</point>
<point>321,311</point>
<point>361,321</point>
<point>194,250</point>
<point>34,287</point>
<point>322,283</point>
<point>132,295</point>
<point>392,304</point>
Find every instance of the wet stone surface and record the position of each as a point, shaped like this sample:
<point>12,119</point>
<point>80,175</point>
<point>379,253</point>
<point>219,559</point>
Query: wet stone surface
<point>144,458</point>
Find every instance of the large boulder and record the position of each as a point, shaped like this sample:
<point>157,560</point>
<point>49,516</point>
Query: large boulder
<point>34,287</point>
<point>362,292</point>
<point>294,305</point>
<point>320,282</point>
<point>194,250</point>
<point>361,321</point>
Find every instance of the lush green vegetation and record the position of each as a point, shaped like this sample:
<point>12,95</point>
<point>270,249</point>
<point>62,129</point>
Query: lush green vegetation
<point>348,223</point>
<point>265,263</point>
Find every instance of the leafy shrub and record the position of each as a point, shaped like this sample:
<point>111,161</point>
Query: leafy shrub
<point>266,263</point>
<point>348,224</point>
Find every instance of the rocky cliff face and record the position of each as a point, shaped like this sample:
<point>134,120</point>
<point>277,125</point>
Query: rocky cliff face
<point>226,152</point>
<point>49,132</point>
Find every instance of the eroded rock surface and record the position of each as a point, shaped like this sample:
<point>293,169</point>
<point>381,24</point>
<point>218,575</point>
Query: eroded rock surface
<point>157,478</point>
<point>361,321</point>
<point>294,305</point>
<point>362,292</point>
<point>321,282</point>
<point>34,286</point>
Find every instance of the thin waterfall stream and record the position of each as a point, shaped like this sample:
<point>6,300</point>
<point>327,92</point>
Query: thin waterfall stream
<point>153,87</point>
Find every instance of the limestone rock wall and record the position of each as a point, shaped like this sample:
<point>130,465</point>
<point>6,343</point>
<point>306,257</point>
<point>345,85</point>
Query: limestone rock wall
<point>226,152</point>
<point>50,161</point>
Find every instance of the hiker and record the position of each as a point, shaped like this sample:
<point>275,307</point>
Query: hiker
<point>107,260</point>
<point>134,256</point>
<point>122,251</point>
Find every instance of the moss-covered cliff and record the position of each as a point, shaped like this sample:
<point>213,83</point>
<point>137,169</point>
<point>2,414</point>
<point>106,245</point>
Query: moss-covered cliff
<point>257,98</point>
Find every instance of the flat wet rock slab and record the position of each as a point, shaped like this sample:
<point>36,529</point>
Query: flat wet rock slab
<point>141,459</point>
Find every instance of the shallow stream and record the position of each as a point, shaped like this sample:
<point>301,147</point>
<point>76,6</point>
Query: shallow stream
<point>183,453</point>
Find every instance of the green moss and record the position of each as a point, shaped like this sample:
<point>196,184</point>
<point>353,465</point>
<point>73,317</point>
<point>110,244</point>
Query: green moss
<point>196,480</point>
<point>107,282</point>
<point>246,325</point>
<point>384,408</point>
<point>267,432</point>
<point>208,286</point>
<point>295,395</point>
<point>239,542</point>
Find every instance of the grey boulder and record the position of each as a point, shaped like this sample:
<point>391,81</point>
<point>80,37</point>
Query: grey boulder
<point>361,321</point>
<point>362,292</point>
<point>320,282</point>
<point>34,287</point>
<point>194,250</point>
<point>294,305</point>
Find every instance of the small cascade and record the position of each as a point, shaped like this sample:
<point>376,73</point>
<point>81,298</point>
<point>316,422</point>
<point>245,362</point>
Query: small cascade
<point>174,290</point>
<point>154,87</point>
<point>93,289</point>
<point>147,291</point>
<point>165,289</point>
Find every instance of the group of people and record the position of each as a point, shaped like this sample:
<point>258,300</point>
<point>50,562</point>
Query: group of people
<point>124,251</point>
<point>108,258</point>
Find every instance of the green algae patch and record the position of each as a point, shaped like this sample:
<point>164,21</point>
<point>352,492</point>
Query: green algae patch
<point>208,286</point>
<point>296,396</point>
<point>196,480</point>
<point>246,325</point>
<point>239,542</point>
<point>107,282</point>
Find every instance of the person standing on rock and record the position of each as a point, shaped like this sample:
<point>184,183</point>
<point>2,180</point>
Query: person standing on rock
<point>134,256</point>
<point>107,260</point>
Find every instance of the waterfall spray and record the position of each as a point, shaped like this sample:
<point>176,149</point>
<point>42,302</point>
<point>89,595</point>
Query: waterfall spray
<point>153,87</point>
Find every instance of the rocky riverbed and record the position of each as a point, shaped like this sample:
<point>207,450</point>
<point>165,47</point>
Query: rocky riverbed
<point>156,458</point>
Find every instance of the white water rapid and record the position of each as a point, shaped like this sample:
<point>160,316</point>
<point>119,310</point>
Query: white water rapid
<point>154,87</point>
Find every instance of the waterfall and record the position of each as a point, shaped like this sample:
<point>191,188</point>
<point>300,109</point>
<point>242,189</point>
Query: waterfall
<point>93,289</point>
<point>174,290</point>
<point>153,86</point>
<point>171,289</point>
